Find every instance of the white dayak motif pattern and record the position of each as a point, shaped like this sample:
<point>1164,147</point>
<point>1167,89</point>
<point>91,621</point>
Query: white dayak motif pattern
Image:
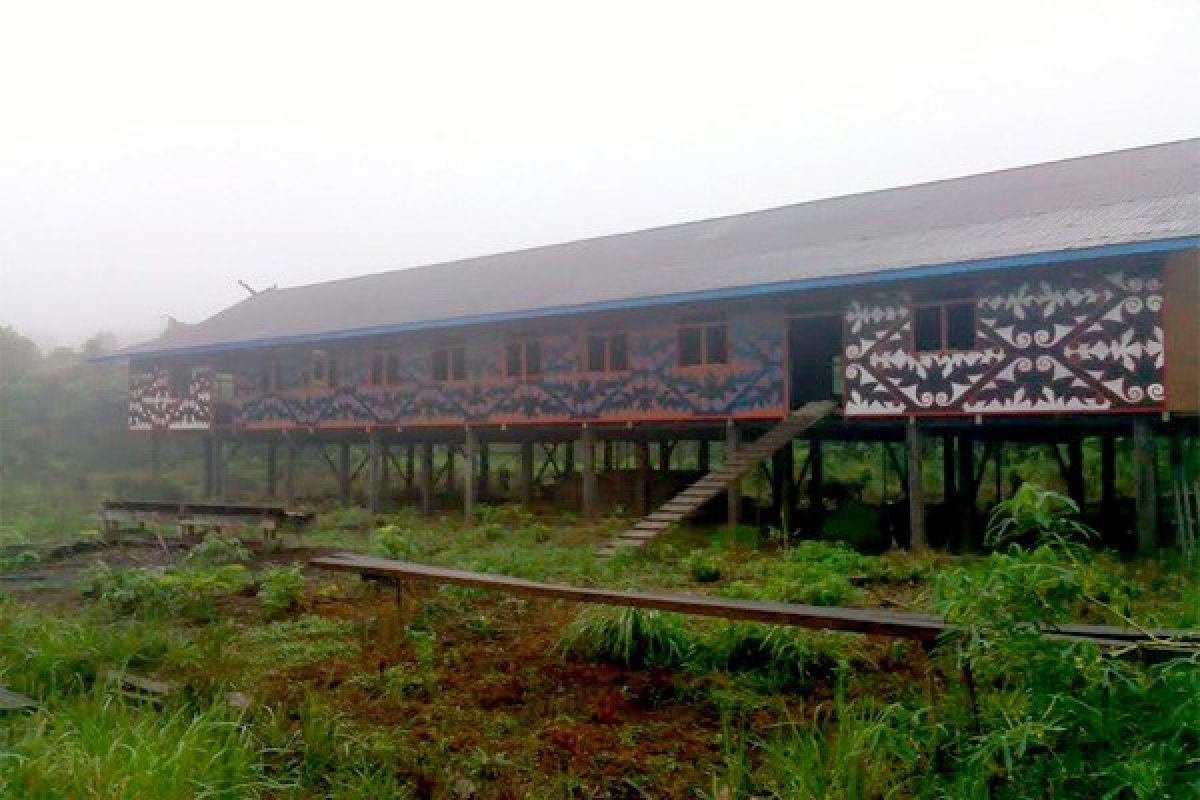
<point>1079,343</point>
<point>155,405</point>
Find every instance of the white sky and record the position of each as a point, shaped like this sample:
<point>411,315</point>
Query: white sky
<point>152,154</point>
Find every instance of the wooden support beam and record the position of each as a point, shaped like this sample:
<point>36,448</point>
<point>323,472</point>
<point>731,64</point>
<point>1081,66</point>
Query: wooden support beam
<point>783,467</point>
<point>587,443</point>
<point>965,487</point>
<point>271,469</point>
<point>293,466</point>
<point>998,460</point>
<point>641,481</point>
<point>568,468</point>
<point>448,471</point>
<point>155,455</point>
<point>916,486</point>
<point>209,488</point>
<point>1108,481</point>
<point>664,455</point>
<point>949,486</point>
<point>734,494</point>
<point>702,456</point>
<point>374,471</point>
<point>410,465</point>
<point>1075,482</point>
<point>526,473</point>
<point>485,471</point>
<point>608,455</point>
<point>425,478</point>
<point>343,471</point>
<point>218,464</point>
<point>1145,481</point>
<point>470,474</point>
<point>816,482</point>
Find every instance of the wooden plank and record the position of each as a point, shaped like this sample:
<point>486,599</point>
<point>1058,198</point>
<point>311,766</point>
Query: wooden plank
<point>11,701</point>
<point>884,622</point>
<point>841,619</point>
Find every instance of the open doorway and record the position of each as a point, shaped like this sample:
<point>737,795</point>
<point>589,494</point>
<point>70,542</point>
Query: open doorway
<point>813,345</point>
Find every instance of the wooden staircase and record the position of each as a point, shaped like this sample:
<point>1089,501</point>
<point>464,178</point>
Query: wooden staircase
<point>690,500</point>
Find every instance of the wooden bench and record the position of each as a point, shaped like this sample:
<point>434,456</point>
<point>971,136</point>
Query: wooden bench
<point>193,518</point>
<point>881,622</point>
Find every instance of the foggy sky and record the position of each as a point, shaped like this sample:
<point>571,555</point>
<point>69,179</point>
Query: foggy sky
<point>153,154</point>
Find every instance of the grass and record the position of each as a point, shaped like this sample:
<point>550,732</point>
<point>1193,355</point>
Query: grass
<point>465,692</point>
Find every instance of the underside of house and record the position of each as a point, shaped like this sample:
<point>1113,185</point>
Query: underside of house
<point>1048,305</point>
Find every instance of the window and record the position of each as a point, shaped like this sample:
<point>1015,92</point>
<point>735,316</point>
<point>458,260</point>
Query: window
<point>269,380</point>
<point>391,369</point>
<point>318,368</point>
<point>607,351</point>
<point>450,363</point>
<point>523,358</point>
<point>377,365</point>
<point>703,343</point>
<point>947,326</point>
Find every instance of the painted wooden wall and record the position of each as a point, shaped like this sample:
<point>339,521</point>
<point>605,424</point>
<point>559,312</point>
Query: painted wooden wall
<point>177,399</point>
<point>1181,322</point>
<point>654,387</point>
<point>1080,341</point>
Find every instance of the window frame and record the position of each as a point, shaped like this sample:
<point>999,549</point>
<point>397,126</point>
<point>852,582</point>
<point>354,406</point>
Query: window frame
<point>450,351</point>
<point>943,307</point>
<point>703,327</point>
<point>605,336</point>
<point>522,345</point>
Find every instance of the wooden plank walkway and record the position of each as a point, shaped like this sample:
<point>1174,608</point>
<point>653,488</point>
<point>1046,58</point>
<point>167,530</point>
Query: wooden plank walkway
<point>691,499</point>
<point>880,622</point>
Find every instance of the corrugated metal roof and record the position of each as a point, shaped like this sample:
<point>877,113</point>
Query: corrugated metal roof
<point>1147,194</point>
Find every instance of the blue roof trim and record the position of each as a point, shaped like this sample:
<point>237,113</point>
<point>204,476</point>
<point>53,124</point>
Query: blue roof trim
<point>731,293</point>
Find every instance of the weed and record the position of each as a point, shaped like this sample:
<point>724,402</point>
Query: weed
<point>703,568</point>
<point>632,637</point>
<point>217,551</point>
<point>280,589</point>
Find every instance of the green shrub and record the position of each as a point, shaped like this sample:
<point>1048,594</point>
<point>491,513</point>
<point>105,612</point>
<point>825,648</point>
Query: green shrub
<point>703,567</point>
<point>217,551</point>
<point>281,590</point>
<point>631,637</point>
<point>191,591</point>
<point>395,543</point>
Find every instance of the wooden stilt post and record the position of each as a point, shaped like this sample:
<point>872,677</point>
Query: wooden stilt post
<point>374,470</point>
<point>219,468</point>
<point>664,455</point>
<point>1075,483</point>
<point>485,471</point>
<point>568,459</point>
<point>1108,481</point>
<point>702,456</point>
<point>916,487</point>
<point>293,465</point>
<point>734,494</point>
<point>410,465</point>
<point>1145,479</point>
<point>527,474</point>
<point>999,470</point>
<point>210,490</point>
<point>271,469</point>
<point>470,474</point>
<point>949,486</point>
<point>641,481</point>
<point>425,478</point>
<point>816,482</point>
<point>783,475</point>
<point>344,472</point>
<point>155,455</point>
<point>451,481</point>
<point>608,455</point>
<point>966,488</point>
<point>587,442</point>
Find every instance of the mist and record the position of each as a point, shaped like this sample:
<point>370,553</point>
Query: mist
<point>153,155</point>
